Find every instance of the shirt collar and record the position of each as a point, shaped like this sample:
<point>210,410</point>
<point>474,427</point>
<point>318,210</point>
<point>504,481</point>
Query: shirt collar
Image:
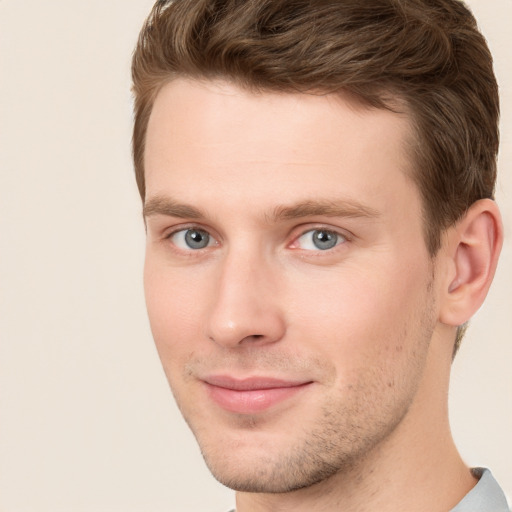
<point>486,496</point>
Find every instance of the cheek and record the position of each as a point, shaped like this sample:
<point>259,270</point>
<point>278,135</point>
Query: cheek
<point>375,331</point>
<point>362,315</point>
<point>173,304</point>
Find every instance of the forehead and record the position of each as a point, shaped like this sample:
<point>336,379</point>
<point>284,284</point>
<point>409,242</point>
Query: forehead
<point>205,136</point>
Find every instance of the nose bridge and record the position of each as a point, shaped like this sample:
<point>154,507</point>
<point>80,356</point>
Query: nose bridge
<point>244,307</point>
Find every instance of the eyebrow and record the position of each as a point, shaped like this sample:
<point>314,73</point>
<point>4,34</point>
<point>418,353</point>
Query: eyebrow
<point>310,208</point>
<point>342,208</point>
<point>167,206</point>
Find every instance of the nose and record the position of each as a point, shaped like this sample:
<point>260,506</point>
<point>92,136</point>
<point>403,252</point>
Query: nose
<point>245,308</point>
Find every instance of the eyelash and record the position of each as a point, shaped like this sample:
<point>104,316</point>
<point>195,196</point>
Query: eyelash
<point>340,239</point>
<point>184,229</point>
<point>191,251</point>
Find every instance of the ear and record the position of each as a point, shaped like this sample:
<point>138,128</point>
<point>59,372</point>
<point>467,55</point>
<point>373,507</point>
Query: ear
<point>472,247</point>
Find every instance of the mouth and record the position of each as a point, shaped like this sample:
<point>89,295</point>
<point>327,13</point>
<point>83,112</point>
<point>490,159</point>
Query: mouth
<point>251,395</point>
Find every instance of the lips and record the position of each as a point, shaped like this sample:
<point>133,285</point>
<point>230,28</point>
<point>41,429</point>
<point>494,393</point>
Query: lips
<point>252,395</point>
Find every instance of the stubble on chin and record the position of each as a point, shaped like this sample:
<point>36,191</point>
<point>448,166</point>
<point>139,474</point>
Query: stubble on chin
<point>336,444</point>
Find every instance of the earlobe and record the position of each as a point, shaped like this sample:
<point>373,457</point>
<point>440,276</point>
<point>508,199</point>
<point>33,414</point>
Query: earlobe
<point>474,247</point>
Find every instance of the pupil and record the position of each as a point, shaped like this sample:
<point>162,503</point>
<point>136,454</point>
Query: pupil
<point>325,240</point>
<point>197,239</point>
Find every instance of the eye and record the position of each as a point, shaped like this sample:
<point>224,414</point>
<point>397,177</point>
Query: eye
<point>191,238</point>
<point>319,240</point>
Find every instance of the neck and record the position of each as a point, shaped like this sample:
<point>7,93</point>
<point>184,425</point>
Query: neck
<point>417,468</point>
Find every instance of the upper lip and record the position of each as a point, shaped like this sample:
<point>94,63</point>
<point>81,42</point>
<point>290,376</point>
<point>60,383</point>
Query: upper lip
<point>251,383</point>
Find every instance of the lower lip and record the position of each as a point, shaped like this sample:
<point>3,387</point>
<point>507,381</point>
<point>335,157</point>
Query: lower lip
<point>254,400</point>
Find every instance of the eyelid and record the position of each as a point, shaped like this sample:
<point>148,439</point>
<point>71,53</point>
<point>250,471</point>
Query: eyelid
<point>303,230</point>
<point>168,234</point>
<point>170,231</point>
<point>297,232</point>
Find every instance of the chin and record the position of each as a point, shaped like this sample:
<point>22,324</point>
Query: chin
<point>265,469</point>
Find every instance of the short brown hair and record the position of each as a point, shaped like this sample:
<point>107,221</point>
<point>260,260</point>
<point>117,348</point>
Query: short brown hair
<point>428,54</point>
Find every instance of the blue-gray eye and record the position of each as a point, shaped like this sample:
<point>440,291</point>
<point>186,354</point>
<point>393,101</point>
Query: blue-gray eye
<point>187,239</point>
<point>320,240</point>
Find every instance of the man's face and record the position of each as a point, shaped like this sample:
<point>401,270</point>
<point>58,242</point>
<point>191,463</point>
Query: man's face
<point>288,284</point>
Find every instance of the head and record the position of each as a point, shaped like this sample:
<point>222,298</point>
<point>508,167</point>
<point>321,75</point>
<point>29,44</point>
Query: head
<point>413,88</point>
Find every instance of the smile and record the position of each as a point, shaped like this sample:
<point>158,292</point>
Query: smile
<point>253,395</point>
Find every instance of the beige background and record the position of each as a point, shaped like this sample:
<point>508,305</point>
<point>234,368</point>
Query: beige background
<point>86,420</point>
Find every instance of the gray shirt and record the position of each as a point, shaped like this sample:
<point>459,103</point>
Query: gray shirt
<point>486,496</point>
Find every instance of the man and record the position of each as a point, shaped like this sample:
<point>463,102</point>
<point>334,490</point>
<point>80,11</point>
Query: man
<point>317,179</point>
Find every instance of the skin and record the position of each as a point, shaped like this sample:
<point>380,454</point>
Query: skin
<point>366,326</point>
